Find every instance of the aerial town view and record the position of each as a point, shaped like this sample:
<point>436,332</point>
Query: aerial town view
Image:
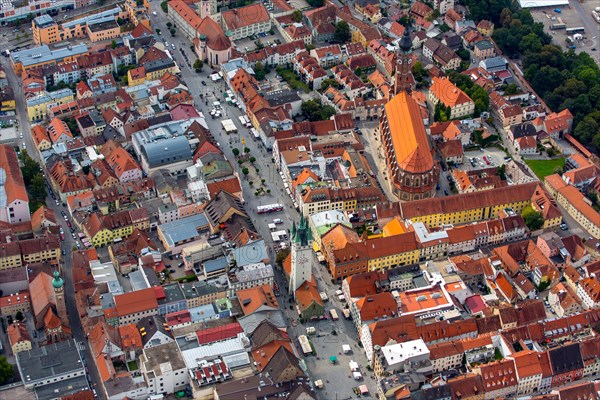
<point>299,199</point>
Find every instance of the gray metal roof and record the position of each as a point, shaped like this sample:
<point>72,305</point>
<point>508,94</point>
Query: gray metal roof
<point>182,229</point>
<point>53,360</point>
<point>215,265</point>
<point>251,253</point>
<point>43,54</point>
<point>168,151</point>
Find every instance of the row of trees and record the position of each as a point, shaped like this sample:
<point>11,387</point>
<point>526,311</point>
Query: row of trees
<point>34,181</point>
<point>562,79</point>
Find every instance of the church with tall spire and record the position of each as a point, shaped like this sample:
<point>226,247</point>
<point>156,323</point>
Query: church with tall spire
<point>408,152</point>
<point>403,77</point>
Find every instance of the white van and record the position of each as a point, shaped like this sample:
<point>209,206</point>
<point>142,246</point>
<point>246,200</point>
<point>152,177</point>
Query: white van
<point>278,221</point>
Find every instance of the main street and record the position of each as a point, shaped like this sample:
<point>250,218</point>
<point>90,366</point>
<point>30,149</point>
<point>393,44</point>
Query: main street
<point>67,270</point>
<point>346,333</point>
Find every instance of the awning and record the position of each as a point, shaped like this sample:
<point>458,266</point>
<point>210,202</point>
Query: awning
<point>333,359</point>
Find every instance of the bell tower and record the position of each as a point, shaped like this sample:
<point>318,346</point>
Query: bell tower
<point>403,78</point>
<point>302,242</point>
<point>59,294</point>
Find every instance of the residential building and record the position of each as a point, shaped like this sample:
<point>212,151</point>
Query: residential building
<point>588,290</point>
<point>130,308</point>
<point>15,207</point>
<point>18,337</point>
<point>164,369</point>
<point>529,371</point>
<point>246,21</point>
<point>444,91</point>
<point>578,207</point>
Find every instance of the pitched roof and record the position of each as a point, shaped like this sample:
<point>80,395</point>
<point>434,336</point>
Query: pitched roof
<point>245,16</point>
<point>134,302</point>
<point>39,134</point>
<point>377,306</point>
<point>218,333</point>
<point>254,298</point>
<point>215,37</point>
<point>12,187</point>
<point>448,93</point>
<point>308,294</point>
<point>42,293</point>
<point>409,139</point>
<point>17,332</point>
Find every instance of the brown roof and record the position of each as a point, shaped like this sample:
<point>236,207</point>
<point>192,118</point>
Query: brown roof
<point>498,375</point>
<point>466,386</point>
<point>229,185</point>
<point>40,215</point>
<point>134,302</point>
<point>448,93</point>
<point>215,37</point>
<point>17,332</point>
<point>467,201</point>
<point>592,287</point>
<point>377,306</point>
<point>445,349</point>
<point>451,148</point>
<point>245,16</point>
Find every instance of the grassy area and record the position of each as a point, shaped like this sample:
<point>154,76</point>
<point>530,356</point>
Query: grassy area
<point>132,365</point>
<point>543,168</point>
<point>292,79</point>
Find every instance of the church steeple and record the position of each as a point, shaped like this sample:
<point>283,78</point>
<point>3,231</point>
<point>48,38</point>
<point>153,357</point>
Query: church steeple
<point>403,78</point>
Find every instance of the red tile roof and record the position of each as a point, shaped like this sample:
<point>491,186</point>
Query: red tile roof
<point>219,333</point>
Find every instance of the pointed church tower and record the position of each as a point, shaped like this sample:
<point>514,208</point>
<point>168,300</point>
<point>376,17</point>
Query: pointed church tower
<point>302,243</point>
<point>403,78</point>
<point>59,294</point>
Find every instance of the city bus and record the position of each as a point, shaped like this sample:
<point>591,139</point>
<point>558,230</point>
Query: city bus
<point>269,208</point>
<point>579,29</point>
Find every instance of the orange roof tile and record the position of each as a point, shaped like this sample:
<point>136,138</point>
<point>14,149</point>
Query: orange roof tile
<point>576,198</point>
<point>17,332</point>
<point>262,355</point>
<point>130,337</point>
<point>39,134</point>
<point>377,305</point>
<point>134,302</point>
<point>409,139</point>
<point>447,93</point>
<point>253,298</point>
<point>13,185</point>
<point>308,294</point>
<point>527,363</point>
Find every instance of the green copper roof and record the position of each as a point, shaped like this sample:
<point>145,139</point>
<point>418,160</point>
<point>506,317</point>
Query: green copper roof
<point>57,282</point>
<point>302,234</point>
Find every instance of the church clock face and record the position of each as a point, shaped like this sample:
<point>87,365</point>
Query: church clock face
<point>302,260</point>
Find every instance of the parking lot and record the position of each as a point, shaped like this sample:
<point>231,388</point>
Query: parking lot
<point>486,158</point>
<point>576,15</point>
<point>249,44</point>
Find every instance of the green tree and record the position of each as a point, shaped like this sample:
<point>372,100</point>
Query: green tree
<point>172,30</point>
<point>252,159</point>
<point>37,188</point>
<point>440,113</point>
<point>358,71</point>
<point>342,32</point>
<point>502,172</point>
<point>329,82</point>
<point>169,24</point>
<point>113,44</point>
<point>246,150</point>
<point>235,151</point>
<point>19,316</point>
<point>533,219</point>
<point>296,16</point>
<point>511,89</point>
<point>419,72</point>
<point>6,370</point>
<point>315,3</point>
<point>158,31</point>
<point>315,111</point>
<point>281,256</point>
<point>165,7</point>
<point>245,171</point>
<point>260,72</point>
<point>198,64</point>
